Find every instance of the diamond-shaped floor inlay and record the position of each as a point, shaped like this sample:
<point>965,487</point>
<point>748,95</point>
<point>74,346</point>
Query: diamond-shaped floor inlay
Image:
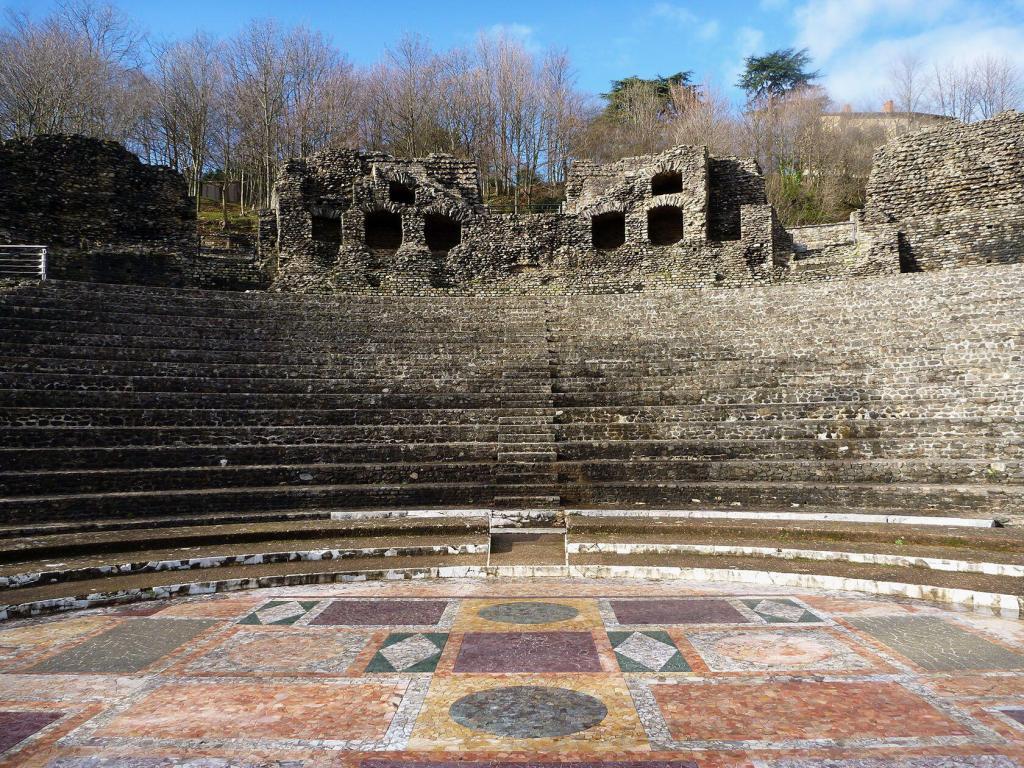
<point>280,612</point>
<point>409,652</point>
<point>647,652</point>
<point>781,611</point>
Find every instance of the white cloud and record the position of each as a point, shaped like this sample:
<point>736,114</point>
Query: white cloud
<point>826,26</point>
<point>514,30</point>
<point>687,20</point>
<point>520,33</point>
<point>861,73</point>
<point>747,42</point>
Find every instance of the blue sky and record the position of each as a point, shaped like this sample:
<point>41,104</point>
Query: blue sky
<point>852,41</point>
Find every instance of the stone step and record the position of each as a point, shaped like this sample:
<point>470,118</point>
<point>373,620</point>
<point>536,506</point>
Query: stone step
<point>60,431</point>
<point>443,398</point>
<point>65,542</point>
<point>926,470</point>
<point>43,404</point>
<point>70,436</point>
<point>953,448</point>
<point>109,590</point>
<point>14,484</point>
<point>248,417</point>
<point>37,509</point>
<point>956,500</point>
<point>511,501</point>
<point>1000,593</point>
<point>27,573</point>
<point>165,456</point>
<point>983,456</point>
<point>521,453</point>
<point>527,441</point>
<point>292,519</point>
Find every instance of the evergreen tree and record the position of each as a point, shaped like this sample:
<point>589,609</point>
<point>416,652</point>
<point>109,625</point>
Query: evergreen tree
<point>776,73</point>
<point>624,92</point>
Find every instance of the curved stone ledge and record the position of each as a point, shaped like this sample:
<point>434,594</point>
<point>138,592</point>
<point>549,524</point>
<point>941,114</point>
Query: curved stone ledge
<point>873,558</point>
<point>1009,606</point>
<point>219,561</point>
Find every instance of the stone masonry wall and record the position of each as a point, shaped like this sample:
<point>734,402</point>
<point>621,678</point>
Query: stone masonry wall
<point>327,206</point>
<point>103,214</point>
<point>954,194</point>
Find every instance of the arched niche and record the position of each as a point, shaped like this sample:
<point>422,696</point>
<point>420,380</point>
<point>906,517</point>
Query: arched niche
<point>383,231</point>
<point>665,225</point>
<point>608,230</point>
<point>441,232</point>
<point>667,183</point>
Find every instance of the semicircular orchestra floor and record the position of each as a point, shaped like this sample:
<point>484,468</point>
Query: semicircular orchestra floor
<point>491,673</point>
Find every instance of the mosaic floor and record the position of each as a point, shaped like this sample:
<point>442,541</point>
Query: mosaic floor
<point>487,674</point>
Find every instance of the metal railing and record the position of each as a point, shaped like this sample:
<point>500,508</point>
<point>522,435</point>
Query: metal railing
<point>23,262</point>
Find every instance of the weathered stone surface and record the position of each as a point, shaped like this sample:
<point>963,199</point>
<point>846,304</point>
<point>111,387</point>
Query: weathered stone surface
<point>327,230</point>
<point>955,194</point>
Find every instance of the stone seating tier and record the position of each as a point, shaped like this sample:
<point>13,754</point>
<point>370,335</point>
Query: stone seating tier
<point>883,397</point>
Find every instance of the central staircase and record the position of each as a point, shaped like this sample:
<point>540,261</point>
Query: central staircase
<point>526,470</point>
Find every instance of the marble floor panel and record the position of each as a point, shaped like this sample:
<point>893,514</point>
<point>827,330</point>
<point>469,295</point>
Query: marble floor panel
<point>541,673</point>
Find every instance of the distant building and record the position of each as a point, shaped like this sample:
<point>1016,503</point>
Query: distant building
<point>893,123</point>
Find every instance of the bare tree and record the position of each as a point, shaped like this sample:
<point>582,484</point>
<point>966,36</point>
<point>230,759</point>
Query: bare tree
<point>74,71</point>
<point>188,83</point>
<point>321,94</point>
<point>997,83</point>
<point>908,81</point>
<point>258,80</point>
<point>707,120</point>
<point>954,91</point>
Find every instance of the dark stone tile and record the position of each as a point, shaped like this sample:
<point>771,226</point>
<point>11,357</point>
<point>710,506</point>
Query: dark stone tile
<point>676,611</point>
<point>781,610</point>
<point>129,647</point>
<point>500,652</point>
<point>382,612</point>
<point>937,645</point>
<point>1015,714</point>
<point>528,711</point>
<point>15,727</point>
<point>409,652</point>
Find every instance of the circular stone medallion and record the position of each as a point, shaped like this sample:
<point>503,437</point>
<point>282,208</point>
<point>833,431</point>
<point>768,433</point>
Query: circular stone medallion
<point>528,711</point>
<point>528,613</point>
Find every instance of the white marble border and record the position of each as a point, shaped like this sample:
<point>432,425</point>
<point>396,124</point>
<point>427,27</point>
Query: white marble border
<point>835,517</point>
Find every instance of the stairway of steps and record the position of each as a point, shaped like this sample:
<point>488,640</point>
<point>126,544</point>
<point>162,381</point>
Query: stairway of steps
<point>875,418</point>
<point>526,471</point>
<point>72,560</point>
<point>933,557</point>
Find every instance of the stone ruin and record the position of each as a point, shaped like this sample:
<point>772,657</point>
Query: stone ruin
<point>103,214</point>
<point>367,223</point>
<point>107,217</point>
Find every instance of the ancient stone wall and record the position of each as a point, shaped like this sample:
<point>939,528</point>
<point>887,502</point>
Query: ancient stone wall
<point>955,195</point>
<point>368,223</point>
<point>102,213</point>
